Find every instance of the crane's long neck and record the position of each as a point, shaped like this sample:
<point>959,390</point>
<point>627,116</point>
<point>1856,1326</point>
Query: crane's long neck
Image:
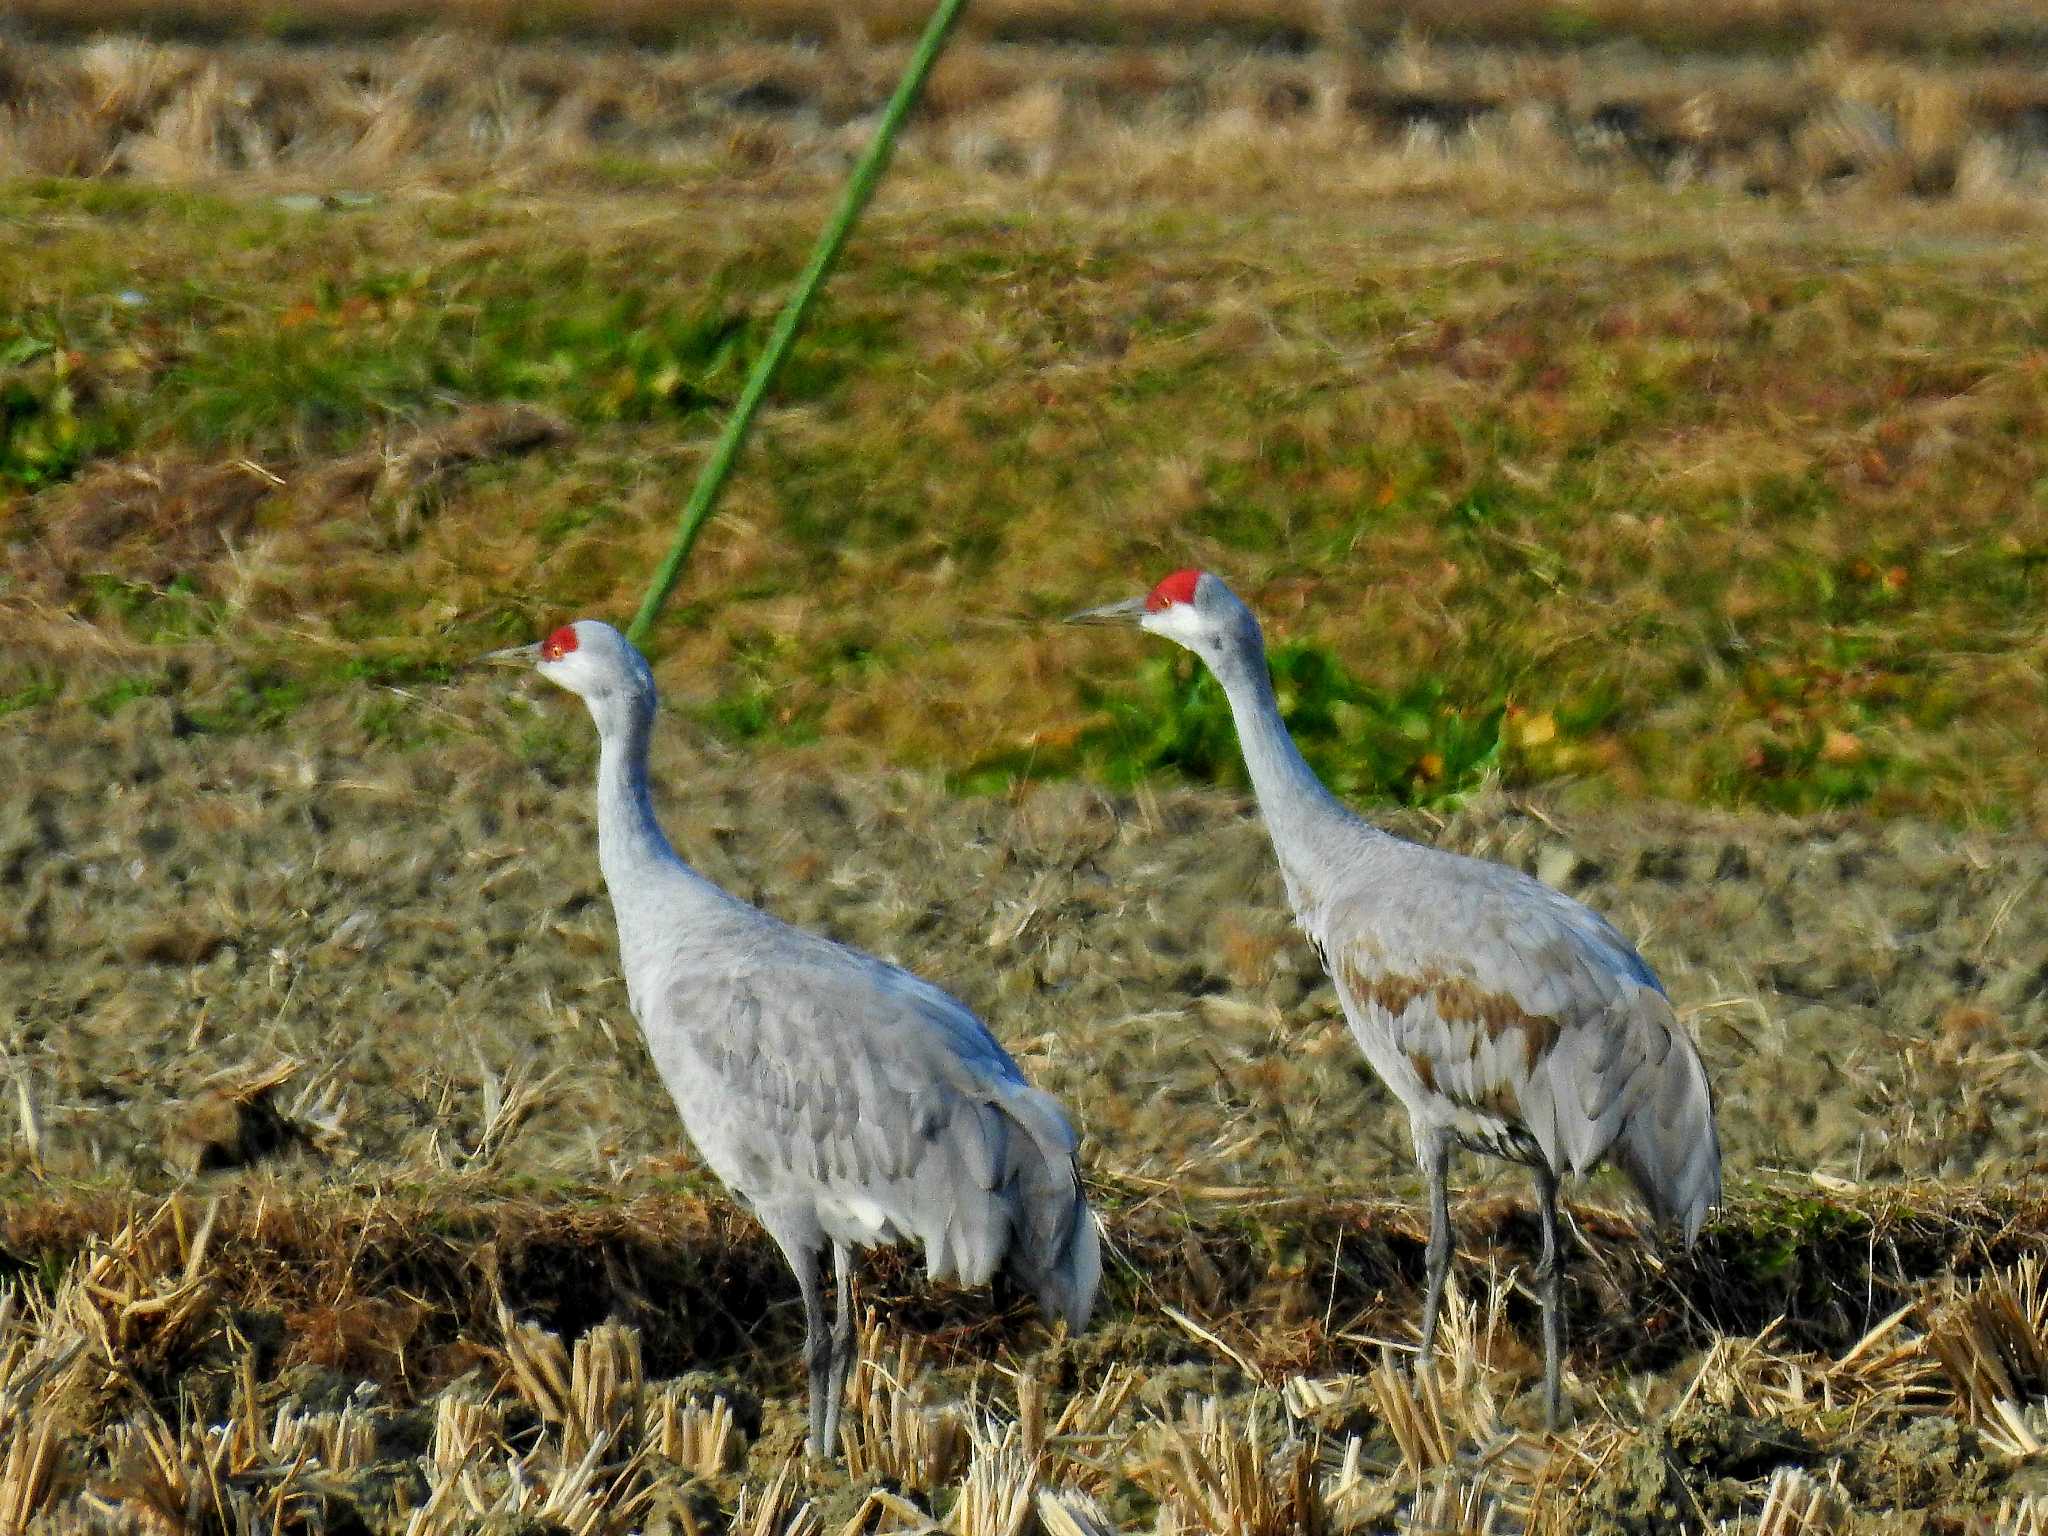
<point>630,842</point>
<point>651,888</point>
<point>1303,818</point>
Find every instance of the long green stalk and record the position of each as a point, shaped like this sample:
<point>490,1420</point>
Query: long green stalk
<point>859,187</point>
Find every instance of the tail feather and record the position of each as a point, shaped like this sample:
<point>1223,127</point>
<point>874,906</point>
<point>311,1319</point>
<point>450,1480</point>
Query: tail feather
<point>1069,1291</point>
<point>1670,1147</point>
<point>1055,1250</point>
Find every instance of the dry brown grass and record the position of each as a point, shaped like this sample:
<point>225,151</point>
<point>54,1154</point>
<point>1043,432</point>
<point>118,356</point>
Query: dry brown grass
<point>1965,26</point>
<point>1992,1343</point>
<point>1394,115</point>
<point>159,516</point>
<point>135,1387</point>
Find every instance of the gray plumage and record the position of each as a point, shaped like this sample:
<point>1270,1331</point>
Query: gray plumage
<point>1505,1016</point>
<point>846,1101</point>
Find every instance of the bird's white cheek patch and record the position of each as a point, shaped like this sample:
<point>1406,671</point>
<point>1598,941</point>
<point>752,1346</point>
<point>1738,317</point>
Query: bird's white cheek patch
<point>1176,623</point>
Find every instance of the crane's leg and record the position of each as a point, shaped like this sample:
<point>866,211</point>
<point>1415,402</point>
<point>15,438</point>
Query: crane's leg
<point>842,1341</point>
<point>824,1443</point>
<point>1550,1279</point>
<point>1436,1159</point>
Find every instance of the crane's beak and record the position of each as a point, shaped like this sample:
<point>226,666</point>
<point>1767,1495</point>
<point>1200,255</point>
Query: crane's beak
<point>1129,611</point>
<point>514,656</point>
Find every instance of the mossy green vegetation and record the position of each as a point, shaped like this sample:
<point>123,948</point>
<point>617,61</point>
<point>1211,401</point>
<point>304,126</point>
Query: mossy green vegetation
<point>46,429</point>
<point>1700,503</point>
<point>1413,747</point>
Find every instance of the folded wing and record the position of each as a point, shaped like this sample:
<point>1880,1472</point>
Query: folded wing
<point>812,1076</point>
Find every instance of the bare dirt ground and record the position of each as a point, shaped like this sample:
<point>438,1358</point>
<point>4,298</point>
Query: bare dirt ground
<point>366,1000</point>
<point>1872,999</point>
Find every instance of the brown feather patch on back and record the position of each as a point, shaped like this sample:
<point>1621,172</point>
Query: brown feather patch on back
<point>1458,1000</point>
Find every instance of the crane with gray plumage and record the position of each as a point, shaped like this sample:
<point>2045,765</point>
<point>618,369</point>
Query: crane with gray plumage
<point>1507,1018</point>
<point>848,1102</point>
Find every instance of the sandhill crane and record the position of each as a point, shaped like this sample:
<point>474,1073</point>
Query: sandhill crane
<point>1505,1016</point>
<point>846,1101</point>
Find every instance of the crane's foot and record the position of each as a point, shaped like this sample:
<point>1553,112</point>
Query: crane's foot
<point>823,1443</point>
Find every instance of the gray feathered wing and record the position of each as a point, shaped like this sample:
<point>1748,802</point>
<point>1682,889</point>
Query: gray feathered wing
<point>818,1080</point>
<point>1539,1029</point>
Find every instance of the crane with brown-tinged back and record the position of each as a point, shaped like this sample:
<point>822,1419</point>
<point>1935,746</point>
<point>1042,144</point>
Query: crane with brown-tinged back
<point>1505,1016</point>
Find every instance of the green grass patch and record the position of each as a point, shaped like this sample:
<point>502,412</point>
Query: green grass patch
<point>561,750</point>
<point>757,708</point>
<point>1620,498</point>
<point>29,695</point>
<point>260,699</point>
<point>122,692</point>
<point>96,197</point>
<point>384,343</point>
<point>48,423</point>
<point>397,671</point>
<point>167,615</point>
<point>1415,746</point>
<point>760,714</point>
<point>256,331</point>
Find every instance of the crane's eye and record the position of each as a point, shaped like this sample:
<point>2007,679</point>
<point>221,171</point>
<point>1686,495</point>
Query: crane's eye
<point>559,644</point>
